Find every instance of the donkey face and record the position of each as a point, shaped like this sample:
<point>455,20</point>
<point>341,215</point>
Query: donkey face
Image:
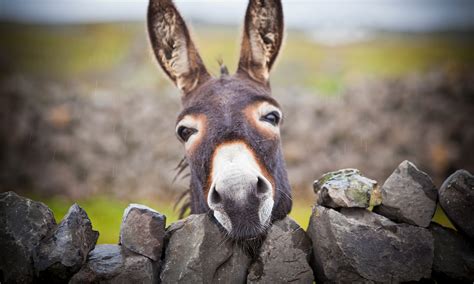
<point>229,125</point>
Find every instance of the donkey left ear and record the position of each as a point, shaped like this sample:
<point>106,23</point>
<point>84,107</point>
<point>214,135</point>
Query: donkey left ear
<point>173,47</point>
<point>263,35</point>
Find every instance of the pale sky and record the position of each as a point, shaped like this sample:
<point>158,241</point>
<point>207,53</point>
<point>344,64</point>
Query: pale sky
<point>398,15</point>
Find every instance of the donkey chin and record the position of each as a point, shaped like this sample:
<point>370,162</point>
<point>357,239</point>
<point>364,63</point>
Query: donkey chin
<point>240,196</point>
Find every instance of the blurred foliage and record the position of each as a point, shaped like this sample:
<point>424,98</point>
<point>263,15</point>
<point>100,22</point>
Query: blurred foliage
<point>88,50</point>
<point>65,51</point>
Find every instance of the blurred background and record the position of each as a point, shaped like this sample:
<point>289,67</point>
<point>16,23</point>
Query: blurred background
<point>87,116</point>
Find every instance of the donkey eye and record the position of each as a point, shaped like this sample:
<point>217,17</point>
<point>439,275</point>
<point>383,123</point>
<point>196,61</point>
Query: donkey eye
<point>185,132</point>
<point>272,118</point>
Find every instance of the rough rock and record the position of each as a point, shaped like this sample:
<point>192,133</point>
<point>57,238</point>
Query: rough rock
<point>143,230</point>
<point>346,188</point>
<point>355,245</point>
<point>23,223</point>
<point>115,264</point>
<point>198,252</point>
<point>64,250</point>
<point>456,197</point>
<point>409,196</point>
<point>284,256</point>
<point>453,256</point>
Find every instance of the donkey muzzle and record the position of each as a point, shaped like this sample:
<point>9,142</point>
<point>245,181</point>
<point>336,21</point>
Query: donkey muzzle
<point>240,195</point>
<point>242,201</point>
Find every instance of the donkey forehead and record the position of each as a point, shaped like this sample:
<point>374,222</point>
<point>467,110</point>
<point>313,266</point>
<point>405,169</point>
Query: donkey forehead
<point>225,96</point>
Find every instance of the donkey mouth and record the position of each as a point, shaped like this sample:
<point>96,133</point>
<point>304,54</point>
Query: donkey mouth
<point>243,225</point>
<point>245,220</point>
<point>242,203</point>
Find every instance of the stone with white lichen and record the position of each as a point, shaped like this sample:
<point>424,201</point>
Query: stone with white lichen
<point>346,188</point>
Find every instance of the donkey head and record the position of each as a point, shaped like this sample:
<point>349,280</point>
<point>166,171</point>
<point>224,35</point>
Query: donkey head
<point>230,126</point>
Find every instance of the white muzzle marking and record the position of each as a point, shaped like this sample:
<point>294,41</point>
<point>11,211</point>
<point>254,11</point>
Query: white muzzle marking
<point>233,165</point>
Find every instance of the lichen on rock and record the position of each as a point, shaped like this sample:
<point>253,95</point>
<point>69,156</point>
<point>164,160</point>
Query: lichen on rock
<point>346,188</point>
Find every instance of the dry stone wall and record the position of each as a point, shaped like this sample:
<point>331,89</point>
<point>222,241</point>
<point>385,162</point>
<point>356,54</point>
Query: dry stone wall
<point>358,232</point>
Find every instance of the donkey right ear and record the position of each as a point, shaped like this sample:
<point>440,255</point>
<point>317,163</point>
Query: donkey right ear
<point>173,46</point>
<point>263,35</point>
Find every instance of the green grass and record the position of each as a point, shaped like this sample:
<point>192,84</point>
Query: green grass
<point>441,218</point>
<point>301,211</point>
<point>106,213</point>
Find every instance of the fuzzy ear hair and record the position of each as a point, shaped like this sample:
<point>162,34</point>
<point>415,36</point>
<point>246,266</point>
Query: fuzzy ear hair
<point>263,35</point>
<point>173,46</point>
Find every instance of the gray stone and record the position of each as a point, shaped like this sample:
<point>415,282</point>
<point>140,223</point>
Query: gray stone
<point>64,250</point>
<point>355,245</point>
<point>142,231</point>
<point>198,252</point>
<point>284,256</point>
<point>453,256</point>
<point>23,223</point>
<point>115,264</point>
<point>409,196</point>
<point>456,197</point>
<point>346,188</point>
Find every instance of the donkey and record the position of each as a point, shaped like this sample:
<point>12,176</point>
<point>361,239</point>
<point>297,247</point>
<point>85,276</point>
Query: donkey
<point>230,126</point>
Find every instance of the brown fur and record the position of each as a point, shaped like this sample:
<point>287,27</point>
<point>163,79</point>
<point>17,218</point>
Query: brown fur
<point>225,104</point>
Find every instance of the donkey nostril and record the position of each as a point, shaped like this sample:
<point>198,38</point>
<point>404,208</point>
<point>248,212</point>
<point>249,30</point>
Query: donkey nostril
<point>215,196</point>
<point>262,186</point>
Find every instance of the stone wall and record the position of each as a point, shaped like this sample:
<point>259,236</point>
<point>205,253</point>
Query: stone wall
<point>358,232</point>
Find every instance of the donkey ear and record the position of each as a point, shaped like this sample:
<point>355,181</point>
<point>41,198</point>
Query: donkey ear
<point>263,34</point>
<point>173,46</point>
